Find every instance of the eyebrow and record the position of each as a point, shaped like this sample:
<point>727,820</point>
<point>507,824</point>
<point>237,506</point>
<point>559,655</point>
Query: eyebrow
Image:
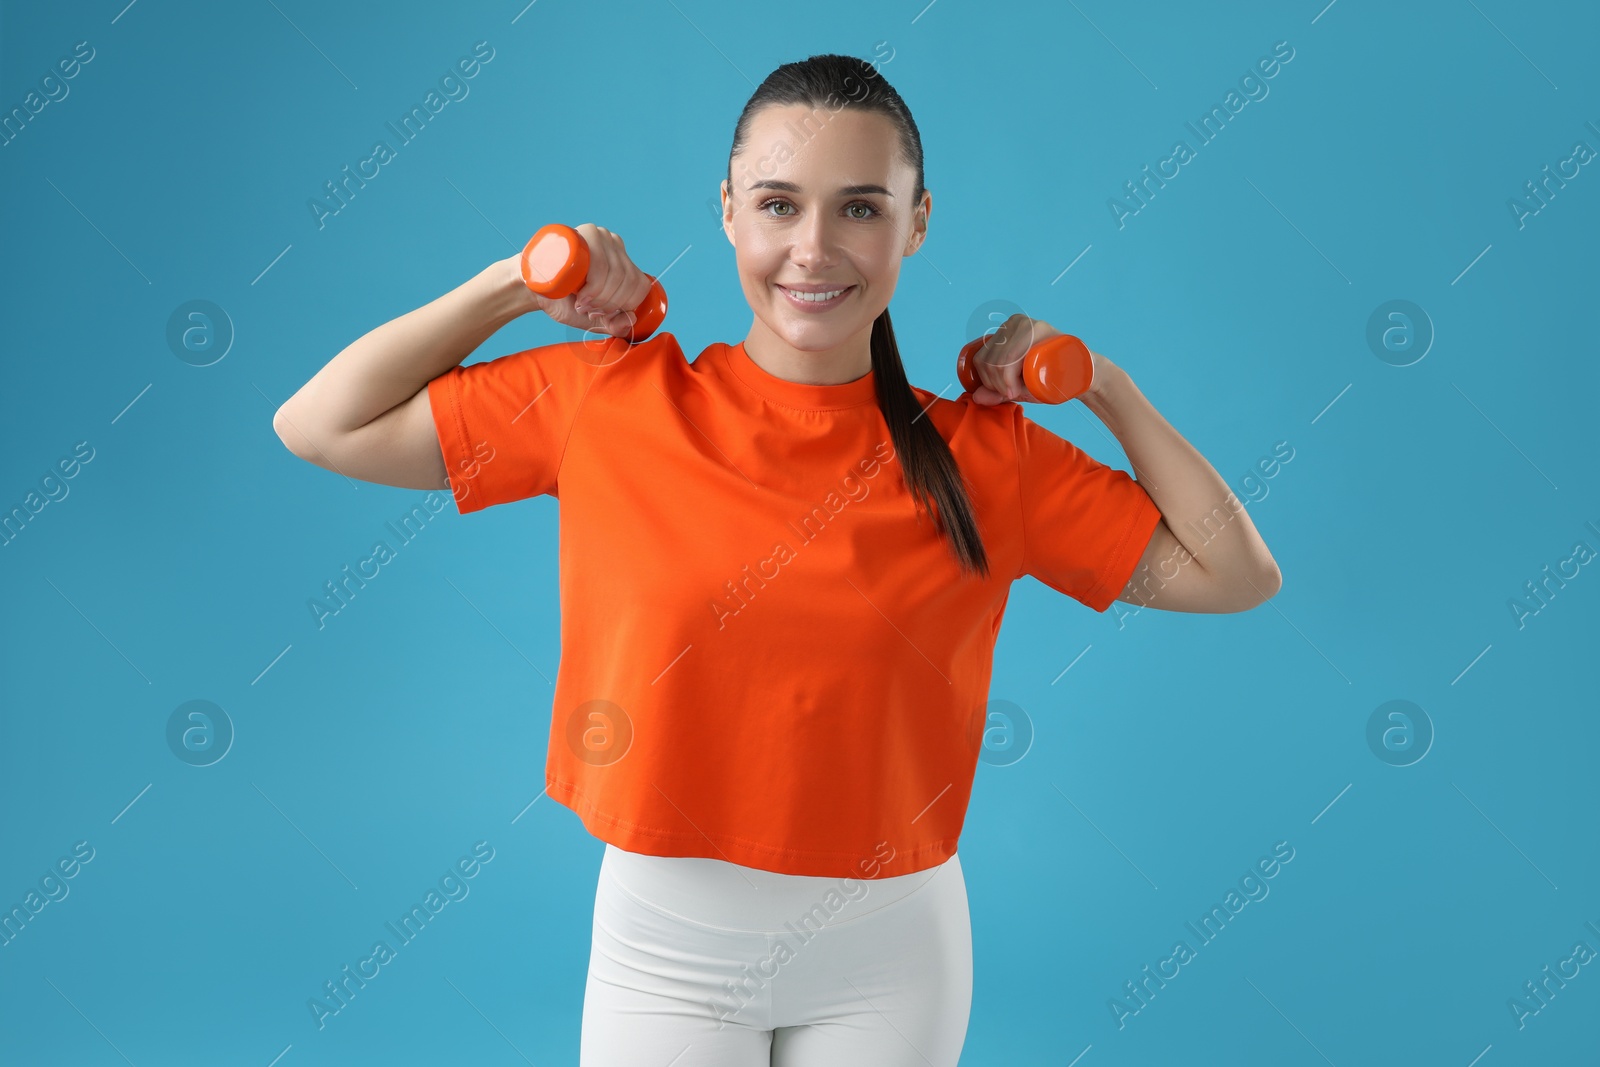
<point>791,187</point>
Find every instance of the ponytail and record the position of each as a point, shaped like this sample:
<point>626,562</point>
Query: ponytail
<point>930,470</point>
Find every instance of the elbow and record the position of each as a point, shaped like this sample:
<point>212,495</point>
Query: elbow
<point>284,427</point>
<point>1250,591</point>
<point>280,426</point>
<point>1266,586</point>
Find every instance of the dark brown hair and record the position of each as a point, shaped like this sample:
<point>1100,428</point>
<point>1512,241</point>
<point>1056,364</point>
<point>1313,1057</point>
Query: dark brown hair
<point>931,473</point>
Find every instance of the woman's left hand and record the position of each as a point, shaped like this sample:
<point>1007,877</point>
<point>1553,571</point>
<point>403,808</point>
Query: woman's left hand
<point>998,362</point>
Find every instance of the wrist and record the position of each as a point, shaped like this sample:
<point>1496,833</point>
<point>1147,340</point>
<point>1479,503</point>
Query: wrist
<point>1104,380</point>
<point>508,293</point>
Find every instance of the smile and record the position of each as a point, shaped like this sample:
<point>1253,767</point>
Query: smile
<point>816,301</point>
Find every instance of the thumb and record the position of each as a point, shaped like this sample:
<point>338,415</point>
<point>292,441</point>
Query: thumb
<point>617,323</point>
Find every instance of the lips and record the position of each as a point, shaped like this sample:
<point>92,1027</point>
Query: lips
<point>808,303</point>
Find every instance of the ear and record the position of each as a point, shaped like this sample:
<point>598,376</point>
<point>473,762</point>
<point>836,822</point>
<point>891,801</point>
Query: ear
<point>919,223</point>
<point>727,210</point>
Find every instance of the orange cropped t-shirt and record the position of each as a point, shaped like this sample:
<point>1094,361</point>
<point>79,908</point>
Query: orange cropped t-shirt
<point>768,655</point>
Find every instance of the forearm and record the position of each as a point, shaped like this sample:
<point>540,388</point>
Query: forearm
<point>392,363</point>
<point>1204,514</point>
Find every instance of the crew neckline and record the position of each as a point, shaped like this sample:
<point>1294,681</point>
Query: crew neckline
<point>863,390</point>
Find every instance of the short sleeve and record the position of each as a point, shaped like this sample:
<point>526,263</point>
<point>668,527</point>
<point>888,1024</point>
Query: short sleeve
<point>503,423</point>
<point>1084,525</point>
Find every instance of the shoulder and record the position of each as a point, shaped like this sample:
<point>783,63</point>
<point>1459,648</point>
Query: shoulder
<point>610,365</point>
<point>964,422</point>
<point>659,345</point>
<point>658,350</point>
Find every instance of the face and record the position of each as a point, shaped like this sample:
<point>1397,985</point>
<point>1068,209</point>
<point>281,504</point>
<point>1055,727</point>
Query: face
<point>793,224</point>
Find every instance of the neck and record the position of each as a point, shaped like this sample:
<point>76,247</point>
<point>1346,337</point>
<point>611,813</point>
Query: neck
<point>845,362</point>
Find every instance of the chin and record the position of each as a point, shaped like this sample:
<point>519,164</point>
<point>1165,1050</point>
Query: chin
<point>814,333</point>
<point>814,337</point>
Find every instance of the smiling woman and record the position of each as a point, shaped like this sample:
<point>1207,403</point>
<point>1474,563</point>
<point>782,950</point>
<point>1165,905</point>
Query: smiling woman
<point>748,766</point>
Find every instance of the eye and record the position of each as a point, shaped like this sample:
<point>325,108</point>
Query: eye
<point>871,211</point>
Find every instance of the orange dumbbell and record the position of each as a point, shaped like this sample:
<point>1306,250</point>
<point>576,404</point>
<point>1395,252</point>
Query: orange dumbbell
<point>1054,371</point>
<point>555,264</point>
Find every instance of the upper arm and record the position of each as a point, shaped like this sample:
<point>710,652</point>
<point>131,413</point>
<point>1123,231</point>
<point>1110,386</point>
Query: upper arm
<point>1084,523</point>
<point>503,424</point>
<point>491,432</point>
<point>1168,577</point>
<point>399,447</point>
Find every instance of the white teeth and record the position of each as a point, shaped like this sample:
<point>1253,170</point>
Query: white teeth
<point>815,298</point>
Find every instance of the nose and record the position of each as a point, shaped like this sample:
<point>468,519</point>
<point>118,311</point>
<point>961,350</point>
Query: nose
<point>813,246</point>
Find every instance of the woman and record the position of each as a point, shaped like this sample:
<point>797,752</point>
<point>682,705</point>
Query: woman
<point>783,570</point>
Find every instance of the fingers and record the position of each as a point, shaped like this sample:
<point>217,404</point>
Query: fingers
<point>585,300</point>
<point>613,274</point>
<point>998,362</point>
<point>629,285</point>
<point>614,283</point>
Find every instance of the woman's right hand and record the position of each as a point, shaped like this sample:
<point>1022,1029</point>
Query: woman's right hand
<point>613,288</point>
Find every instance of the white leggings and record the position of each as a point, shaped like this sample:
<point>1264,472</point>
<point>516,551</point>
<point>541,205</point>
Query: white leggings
<point>708,963</point>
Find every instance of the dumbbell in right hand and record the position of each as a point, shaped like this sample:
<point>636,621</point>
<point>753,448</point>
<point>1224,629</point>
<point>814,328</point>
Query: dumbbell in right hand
<point>555,264</point>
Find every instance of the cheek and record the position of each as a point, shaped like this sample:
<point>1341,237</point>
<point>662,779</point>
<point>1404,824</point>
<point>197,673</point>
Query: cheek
<point>879,267</point>
<point>759,258</point>
<point>758,243</point>
<point>879,253</point>
<point>880,263</point>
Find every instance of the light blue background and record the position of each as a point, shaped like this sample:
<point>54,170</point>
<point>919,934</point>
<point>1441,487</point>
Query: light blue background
<point>372,753</point>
